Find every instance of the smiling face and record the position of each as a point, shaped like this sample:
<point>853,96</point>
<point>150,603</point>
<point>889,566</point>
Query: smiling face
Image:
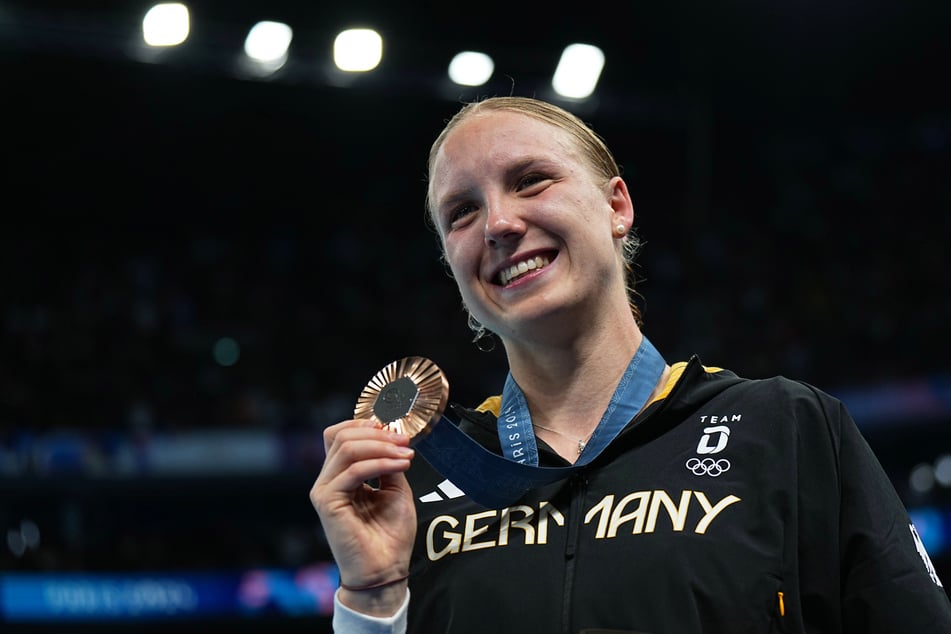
<point>528,227</point>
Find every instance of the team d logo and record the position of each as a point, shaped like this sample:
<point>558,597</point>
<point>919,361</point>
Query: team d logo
<point>714,439</point>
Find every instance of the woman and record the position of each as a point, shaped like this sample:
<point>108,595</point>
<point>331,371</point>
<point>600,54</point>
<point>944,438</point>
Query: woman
<point>692,500</point>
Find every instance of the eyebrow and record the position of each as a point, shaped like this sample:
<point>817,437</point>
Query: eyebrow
<point>519,165</point>
<point>454,198</point>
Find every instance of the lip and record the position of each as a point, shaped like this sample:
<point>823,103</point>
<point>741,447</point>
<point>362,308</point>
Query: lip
<point>495,277</point>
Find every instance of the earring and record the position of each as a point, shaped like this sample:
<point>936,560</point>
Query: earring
<point>619,230</point>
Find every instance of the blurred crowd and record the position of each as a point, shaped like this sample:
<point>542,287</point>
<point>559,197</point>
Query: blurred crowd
<point>821,256</point>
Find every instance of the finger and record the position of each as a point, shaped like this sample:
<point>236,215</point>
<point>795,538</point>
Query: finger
<point>330,433</point>
<point>355,430</point>
<point>360,454</point>
<point>338,491</point>
<point>356,474</point>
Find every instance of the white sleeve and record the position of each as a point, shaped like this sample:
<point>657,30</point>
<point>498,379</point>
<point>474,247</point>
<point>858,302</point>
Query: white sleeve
<point>347,621</point>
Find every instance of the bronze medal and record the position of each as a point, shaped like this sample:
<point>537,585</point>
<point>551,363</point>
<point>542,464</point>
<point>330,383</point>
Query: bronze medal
<point>407,396</point>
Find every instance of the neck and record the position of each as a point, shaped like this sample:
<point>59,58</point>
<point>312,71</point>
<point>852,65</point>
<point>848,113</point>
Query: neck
<point>568,388</point>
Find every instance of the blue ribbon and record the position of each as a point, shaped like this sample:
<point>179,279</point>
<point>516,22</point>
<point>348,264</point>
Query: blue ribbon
<point>495,481</point>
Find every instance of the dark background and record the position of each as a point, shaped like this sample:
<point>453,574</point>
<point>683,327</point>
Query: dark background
<point>789,164</point>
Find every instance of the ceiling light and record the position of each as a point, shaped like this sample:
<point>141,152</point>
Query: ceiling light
<point>578,71</point>
<point>470,68</point>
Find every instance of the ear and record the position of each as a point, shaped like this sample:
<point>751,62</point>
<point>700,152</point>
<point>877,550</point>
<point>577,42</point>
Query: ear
<point>620,200</point>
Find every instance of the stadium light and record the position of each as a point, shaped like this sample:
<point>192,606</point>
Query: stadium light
<point>578,71</point>
<point>470,68</point>
<point>358,50</point>
<point>267,44</point>
<point>165,24</point>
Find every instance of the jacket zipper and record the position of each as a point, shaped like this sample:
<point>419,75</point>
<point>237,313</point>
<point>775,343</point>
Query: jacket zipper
<point>577,483</point>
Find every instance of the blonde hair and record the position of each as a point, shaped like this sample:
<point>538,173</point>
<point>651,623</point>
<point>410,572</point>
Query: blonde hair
<point>593,149</point>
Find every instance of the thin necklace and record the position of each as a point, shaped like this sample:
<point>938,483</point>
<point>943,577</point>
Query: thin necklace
<point>582,442</point>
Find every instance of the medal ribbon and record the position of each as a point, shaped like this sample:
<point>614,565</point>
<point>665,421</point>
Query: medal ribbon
<point>495,481</point>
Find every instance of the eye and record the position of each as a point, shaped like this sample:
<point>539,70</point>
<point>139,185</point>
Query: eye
<point>457,215</point>
<point>530,180</point>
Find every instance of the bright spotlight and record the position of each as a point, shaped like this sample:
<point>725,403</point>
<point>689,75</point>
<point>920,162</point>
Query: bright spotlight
<point>470,68</point>
<point>268,42</point>
<point>578,71</point>
<point>165,24</point>
<point>358,50</point>
<point>265,48</point>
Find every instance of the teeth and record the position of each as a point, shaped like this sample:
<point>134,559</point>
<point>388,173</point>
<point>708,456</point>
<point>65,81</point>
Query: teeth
<point>520,269</point>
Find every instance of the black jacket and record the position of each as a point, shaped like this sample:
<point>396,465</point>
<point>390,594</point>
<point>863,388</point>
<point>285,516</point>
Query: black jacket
<point>730,506</point>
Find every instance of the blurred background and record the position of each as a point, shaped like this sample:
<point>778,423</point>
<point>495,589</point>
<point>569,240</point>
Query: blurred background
<point>205,257</point>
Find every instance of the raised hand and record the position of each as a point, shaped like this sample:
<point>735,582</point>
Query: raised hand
<point>370,528</point>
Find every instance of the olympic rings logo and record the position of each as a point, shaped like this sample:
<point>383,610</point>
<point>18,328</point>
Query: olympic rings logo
<point>708,466</point>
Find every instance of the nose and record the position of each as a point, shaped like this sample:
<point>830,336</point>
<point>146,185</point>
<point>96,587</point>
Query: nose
<point>502,226</point>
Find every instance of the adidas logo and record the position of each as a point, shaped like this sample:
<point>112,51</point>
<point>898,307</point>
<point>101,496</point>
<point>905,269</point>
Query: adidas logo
<point>445,490</point>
